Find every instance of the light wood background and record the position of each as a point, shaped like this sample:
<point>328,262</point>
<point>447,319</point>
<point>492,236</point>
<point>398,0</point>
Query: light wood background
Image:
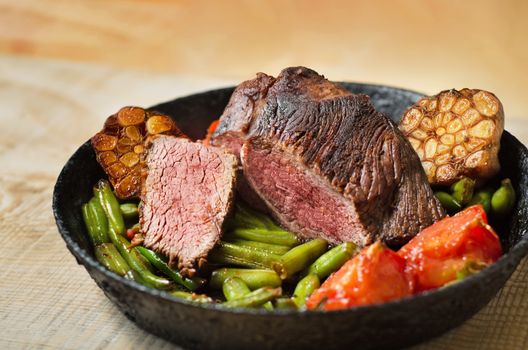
<point>66,65</point>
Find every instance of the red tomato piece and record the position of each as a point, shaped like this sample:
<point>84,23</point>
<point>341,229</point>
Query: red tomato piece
<point>210,130</point>
<point>375,275</point>
<point>439,252</point>
<point>130,233</point>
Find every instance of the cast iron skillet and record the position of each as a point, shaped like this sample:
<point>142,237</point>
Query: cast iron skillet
<point>391,325</point>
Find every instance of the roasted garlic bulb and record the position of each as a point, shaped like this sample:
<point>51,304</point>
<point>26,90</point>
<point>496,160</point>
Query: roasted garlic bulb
<point>120,145</point>
<point>456,134</point>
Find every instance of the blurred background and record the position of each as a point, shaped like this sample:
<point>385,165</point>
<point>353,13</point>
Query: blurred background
<point>66,65</point>
<point>425,45</point>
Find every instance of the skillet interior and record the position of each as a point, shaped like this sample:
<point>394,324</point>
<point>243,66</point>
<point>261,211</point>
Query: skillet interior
<point>389,325</point>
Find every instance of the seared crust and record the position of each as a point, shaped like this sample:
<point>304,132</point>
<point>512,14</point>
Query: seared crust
<point>239,112</point>
<point>360,153</point>
<point>341,138</point>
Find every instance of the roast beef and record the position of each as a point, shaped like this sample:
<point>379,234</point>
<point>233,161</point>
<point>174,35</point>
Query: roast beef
<point>325,162</point>
<point>239,112</point>
<point>236,121</point>
<point>187,193</point>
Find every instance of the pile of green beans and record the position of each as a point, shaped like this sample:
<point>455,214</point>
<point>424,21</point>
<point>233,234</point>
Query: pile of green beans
<point>462,194</point>
<point>256,264</point>
<point>257,257</point>
<point>105,219</point>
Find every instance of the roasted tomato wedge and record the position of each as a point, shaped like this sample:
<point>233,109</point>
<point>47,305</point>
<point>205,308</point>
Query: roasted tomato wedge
<point>449,248</point>
<point>210,130</point>
<point>375,275</point>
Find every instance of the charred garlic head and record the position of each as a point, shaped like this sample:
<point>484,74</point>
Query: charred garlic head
<point>456,134</point>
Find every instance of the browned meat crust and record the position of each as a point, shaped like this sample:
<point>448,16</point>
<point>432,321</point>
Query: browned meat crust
<point>334,142</point>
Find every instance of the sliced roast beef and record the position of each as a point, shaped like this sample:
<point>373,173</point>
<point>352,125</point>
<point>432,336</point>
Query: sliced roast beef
<point>186,195</point>
<point>327,164</point>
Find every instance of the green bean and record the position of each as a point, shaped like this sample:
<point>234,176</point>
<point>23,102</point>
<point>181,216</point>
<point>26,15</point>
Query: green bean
<point>199,298</point>
<point>284,304</point>
<point>268,305</point>
<point>254,278</point>
<point>304,289</point>
<point>100,221</point>
<point>190,283</point>
<point>137,256</point>
<point>89,222</point>
<point>244,217</point>
<point>299,258</point>
<point>332,260</point>
<point>107,254</point>
<point>95,222</point>
<point>134,259</point>
<point>462,190</point>
<point>143,260</point>
<point>450,204</point>
<point>134,276</point>
<point>234,288</point>
<point>279,237</point>
<point>129,210</point>
<point>470,268</point>
<point>181,294</point>
<point>247,217</point>
<point>272,248</point>
<point>503,200</point>
<point>110,205</point>
<point>483,198</point>
<point>229,253</point>
<point>256,298</point>
<point>250,225</point>
<point>217,258</point>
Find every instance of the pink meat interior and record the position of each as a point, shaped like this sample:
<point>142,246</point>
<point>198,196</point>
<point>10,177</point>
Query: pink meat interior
<point>189,190</point>
<point>300,199</point>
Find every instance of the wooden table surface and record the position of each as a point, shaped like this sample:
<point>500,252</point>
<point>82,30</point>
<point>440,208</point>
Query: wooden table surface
<point>66,65</point>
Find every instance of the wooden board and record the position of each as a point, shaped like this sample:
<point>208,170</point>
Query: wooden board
<point>48,301</point>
